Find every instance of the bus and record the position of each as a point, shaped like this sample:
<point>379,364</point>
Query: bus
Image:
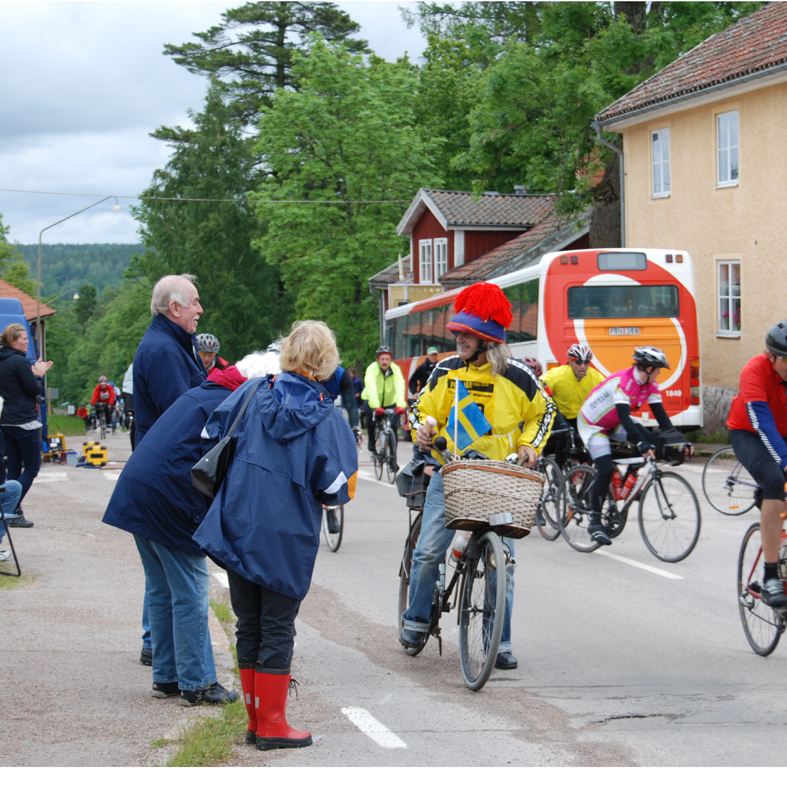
<point>612,300</point>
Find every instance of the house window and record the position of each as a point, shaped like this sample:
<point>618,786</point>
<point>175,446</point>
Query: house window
<point>730,297</point>
<point>727,144</point>
<point>425,256</point>
<point>659,148</point>
<point>441,256</point>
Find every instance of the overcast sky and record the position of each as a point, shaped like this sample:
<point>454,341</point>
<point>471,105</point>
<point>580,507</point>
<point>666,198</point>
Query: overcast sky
<point>84,83</point>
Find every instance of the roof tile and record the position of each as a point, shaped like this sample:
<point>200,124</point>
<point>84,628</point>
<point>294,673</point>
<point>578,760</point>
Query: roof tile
<point>462,208</point>
<point>29,304</point>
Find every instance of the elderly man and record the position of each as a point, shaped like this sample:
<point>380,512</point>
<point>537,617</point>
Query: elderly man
<point>421,374</point>
<point>165,366</point>
<point>383,387</point>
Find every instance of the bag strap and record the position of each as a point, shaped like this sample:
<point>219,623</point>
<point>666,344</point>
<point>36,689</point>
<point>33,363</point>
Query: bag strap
<point>242,411</point>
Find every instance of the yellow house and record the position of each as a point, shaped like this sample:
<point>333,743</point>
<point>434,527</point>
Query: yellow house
<point>705,169</point>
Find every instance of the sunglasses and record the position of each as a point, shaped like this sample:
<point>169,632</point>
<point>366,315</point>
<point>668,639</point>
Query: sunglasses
<point>580,363</point>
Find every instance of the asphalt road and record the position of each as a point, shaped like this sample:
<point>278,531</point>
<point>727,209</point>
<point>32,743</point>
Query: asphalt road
<point>617,665</point>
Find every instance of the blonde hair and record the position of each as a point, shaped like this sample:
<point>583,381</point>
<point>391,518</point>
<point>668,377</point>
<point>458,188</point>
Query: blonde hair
<point>310,349</point>
<point>168,289</point>
<point>11,334</point>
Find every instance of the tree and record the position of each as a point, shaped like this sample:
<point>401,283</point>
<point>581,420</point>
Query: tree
<point>346,151</point>
<point>13,268</point>
<point>253,49</point>
<point>196,218</point>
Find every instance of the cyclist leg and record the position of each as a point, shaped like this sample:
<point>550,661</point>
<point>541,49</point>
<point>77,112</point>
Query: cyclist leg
<point>430,551</point>
<point>505,658</point>
<point>601,452</point>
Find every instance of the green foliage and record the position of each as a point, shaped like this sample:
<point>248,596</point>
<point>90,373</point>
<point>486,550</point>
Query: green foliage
<point>12,265</point>
<point>348,134</point>
<point>67,425</point>
<point>65,267</point>
<point>252,49</point>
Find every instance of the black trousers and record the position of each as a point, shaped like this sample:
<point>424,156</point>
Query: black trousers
<point>266,624</point>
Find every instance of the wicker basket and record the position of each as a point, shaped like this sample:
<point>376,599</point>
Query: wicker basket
<point>474,490</point>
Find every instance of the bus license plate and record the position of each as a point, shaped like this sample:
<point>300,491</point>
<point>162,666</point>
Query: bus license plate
<point>624,331</point>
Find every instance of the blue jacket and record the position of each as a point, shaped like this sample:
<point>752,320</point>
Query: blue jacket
<point>294,451</point>
<point>166,365</point>
<point>154,496</point>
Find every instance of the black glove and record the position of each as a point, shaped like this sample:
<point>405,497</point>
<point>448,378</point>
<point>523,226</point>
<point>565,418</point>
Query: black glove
<point>643,447</point>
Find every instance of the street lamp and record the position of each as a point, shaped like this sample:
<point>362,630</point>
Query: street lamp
<point>39,333</point>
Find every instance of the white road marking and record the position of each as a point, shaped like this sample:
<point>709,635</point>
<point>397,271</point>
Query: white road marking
<point>221,576</point>
<point>48,479</point>
<point>111,475</point>
<point>367,476</point>
<point>367,724</point>
<point>634,563</point>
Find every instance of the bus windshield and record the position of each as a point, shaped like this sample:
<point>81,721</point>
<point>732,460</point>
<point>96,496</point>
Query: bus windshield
<point>623,302</point>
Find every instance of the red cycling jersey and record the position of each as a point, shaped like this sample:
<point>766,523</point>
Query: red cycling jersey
<point>759,383</point>
<point>107,396</point>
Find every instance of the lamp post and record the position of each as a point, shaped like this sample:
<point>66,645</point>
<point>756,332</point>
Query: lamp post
<point>39,333</point>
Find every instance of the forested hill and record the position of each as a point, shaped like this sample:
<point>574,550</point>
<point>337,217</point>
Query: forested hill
<point>68,266</point>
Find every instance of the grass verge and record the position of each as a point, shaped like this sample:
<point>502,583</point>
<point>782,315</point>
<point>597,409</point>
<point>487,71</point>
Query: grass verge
<point>68,425</point>
<point>13,583</point>
<point>212,740</point>
<point>223,613</point>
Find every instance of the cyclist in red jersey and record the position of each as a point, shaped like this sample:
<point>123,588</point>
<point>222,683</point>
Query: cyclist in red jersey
<point>103,399</point>
<point>758,433</point>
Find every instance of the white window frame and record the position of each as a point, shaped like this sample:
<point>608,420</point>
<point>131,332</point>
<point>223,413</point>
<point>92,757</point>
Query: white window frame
<point>727,148</point>
<point>728,270</point>
<point>440,257</point>
<point>659,156</point>
<point>425,261</point>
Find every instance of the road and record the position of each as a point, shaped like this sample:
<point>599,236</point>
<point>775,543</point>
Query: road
<point>617,665</point>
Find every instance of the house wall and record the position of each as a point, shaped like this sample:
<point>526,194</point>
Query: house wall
<point>743,222</point>
<point>478,242</point>
<point>429,228</point>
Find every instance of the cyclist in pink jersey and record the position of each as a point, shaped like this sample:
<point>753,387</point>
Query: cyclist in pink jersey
<point>606,415</point>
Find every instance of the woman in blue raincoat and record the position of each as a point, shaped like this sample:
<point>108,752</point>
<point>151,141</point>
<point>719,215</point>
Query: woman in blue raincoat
<point>294,451</point>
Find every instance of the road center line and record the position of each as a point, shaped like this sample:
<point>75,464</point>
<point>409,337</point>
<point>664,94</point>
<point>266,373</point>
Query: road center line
<point>630,562</point>
<point>367,724</point>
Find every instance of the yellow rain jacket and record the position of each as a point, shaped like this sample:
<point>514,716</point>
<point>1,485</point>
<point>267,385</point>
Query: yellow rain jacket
<point>568,392</point>
<point>513,402</point>
<point>384,390</point>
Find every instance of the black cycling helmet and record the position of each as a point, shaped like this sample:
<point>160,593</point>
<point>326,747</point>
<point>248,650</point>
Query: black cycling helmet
<point>382,349</point>
<point>776,339</point>
<point>650,356</point>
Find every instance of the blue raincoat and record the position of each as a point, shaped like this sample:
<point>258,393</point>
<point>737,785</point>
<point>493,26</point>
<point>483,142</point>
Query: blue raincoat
<point>294,451</point>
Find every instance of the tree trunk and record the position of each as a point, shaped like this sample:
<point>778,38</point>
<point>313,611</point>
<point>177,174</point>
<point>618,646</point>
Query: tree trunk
<point>605,222</point>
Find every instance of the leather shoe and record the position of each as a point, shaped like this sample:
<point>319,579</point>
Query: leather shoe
<point>410,638</point>
<point>506,661</point>
<point>17,520</point>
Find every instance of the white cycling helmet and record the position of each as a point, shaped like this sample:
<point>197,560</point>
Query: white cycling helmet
<point>207,343</point>
<point>650,356</point>
<point>580,352</point>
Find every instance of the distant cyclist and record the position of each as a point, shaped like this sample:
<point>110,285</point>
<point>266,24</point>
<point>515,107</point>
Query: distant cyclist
<point>103,400</point>
<point>383,387</point>
<point>208,346</point>
<point>758,433</point>
<point>606,415</point>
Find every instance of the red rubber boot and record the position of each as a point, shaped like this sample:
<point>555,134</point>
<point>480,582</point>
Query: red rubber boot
<point>273,732</point>
<point>247,688</point>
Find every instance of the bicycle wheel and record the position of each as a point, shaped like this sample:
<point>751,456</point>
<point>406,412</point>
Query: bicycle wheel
<point>482,611</point>
<point>103,432</point>
<point>391,465</point>
<point>669,517</point>
<point>404,577</point>
<point>333,519</point>
<point>727,485</point>
<point>761,624</point>
<point>377,456</point>
<point>550,509</point>
<point>574,503</point>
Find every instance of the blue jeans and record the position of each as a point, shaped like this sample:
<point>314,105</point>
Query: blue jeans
<point>178,607</point>
<point>430,551</point>
<point>146,617</point>
<point>23,449</point>
<point>9,501</point>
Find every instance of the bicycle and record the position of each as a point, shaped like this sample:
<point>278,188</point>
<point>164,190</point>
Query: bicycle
<point>669,512</point>
<point>384,455</point>
<point>333,526</point>
<point>727,485</point>
<point>102,426</point>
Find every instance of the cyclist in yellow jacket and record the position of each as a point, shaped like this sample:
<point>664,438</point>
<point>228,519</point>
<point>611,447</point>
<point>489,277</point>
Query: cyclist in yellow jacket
<point>383,386</point>
<point>519,415</point>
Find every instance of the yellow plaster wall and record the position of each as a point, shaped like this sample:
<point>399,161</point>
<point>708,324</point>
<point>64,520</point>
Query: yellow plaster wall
<point>396,293</point>
<point>745,222</point>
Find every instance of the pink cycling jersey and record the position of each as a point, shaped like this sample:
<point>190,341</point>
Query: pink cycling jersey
<point>599,414</point>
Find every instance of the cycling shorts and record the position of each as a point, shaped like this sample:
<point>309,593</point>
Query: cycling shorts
<point>755,457</point>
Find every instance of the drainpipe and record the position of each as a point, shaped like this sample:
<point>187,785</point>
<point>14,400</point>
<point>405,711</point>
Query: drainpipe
<point>597,127</point>
<point>381,318</point>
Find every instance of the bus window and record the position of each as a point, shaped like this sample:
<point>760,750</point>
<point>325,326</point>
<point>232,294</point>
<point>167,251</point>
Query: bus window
<point>622,261</point>
<point>524,306</point>
<point>623,302</point>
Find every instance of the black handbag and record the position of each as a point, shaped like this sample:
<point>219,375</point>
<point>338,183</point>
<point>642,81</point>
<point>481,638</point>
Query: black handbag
<point>209,473</point>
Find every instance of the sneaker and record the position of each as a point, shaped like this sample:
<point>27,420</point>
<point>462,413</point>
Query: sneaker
<point>599,534</point>
<point>4,555</point>
<point>18,520</point>
<point>540,521</point>
<point>214,695</point>
<point>146,657</point>
<point>773,594</point>
<point>165,691</point>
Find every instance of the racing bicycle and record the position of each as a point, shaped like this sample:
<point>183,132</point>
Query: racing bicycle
<point>669,512</point>
<point>384,455</point>
<point>727,485</point>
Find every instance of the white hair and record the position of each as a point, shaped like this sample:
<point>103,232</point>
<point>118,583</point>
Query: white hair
<point>259,364</point>
<point>497,355</point>
<point>170,288</point>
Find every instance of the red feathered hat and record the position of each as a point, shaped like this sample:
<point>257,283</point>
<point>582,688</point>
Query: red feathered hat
<point>482,310</point>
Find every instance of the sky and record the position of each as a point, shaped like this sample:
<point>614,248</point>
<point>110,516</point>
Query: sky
<point>82,85</point>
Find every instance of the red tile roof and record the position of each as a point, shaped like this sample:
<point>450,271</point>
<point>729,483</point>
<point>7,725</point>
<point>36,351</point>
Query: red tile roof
<point>390,275</point>
<point>752,44</point>
<point>28,302</point>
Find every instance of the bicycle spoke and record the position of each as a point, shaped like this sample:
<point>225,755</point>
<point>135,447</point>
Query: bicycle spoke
<point>669,517</point>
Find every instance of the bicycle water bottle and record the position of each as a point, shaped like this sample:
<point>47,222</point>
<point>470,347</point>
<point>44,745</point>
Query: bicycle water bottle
<point>459,544</point>
<point>617,485</point>
<point>631,479</point>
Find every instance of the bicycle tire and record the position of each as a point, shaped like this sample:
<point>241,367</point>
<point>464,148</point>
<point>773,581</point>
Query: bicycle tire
<point>391,465</point>
<point>668,527</point>
<point>482,610</point>
<point>377,456</point>
<point>404,578</point>
<point>333,540</point>
<point>762,626</point>
<point>550,509</point>
<point>727,485</point>
<point>574,501</point>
